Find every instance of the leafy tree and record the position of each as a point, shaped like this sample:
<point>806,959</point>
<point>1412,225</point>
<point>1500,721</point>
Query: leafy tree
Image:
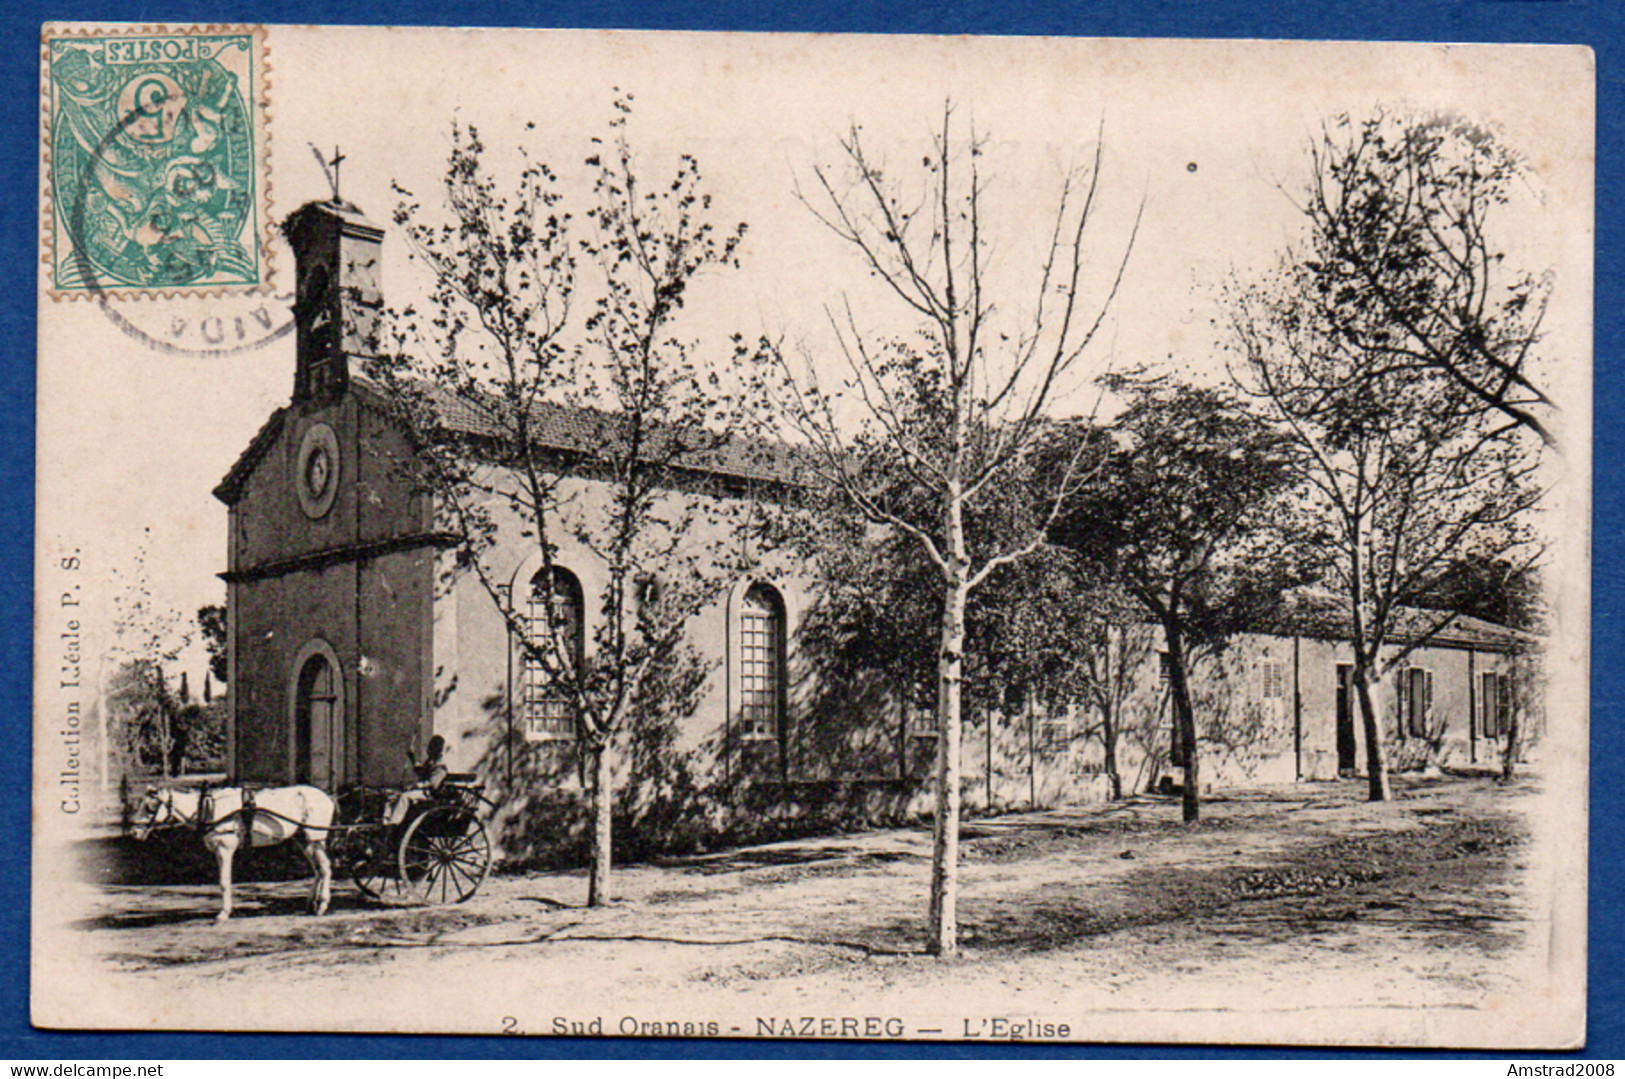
<point>211,623</point>
<point>148,639</point>
<point>1525,707</point>
<point>1181,515</point>
<point>1497,589</point>
<point>199,737</point>
<point>876,613</point>
<point>501,340</point>
<point>1053,628</point>
<point>945,415</point>
<point>1038,631</point>
<point>1401,209</point>
<point>1110,648</point>
<point>143,713</point>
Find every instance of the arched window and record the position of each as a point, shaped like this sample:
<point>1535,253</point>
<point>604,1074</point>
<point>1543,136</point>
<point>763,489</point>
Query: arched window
<point>555,629</point>
<point>315,703</point>
<point>761,662</point>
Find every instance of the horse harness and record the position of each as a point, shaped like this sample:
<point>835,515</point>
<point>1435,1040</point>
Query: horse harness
<point>205,812</point>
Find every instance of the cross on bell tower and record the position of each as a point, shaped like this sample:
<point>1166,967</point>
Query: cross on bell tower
<point>330,169</point>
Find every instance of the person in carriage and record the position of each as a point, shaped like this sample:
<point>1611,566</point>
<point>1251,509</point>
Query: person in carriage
<point>431,773</point>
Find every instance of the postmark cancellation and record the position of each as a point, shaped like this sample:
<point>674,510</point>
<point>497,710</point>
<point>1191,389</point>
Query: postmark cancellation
<point>156,161</point>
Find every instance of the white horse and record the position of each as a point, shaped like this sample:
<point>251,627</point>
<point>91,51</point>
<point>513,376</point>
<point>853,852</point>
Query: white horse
<point>225,819</point>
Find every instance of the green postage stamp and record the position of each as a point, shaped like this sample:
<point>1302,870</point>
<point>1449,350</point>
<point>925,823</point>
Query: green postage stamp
<point>156,174</point>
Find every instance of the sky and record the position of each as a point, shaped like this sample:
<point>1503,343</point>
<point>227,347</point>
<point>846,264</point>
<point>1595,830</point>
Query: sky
<point>1209,138</point>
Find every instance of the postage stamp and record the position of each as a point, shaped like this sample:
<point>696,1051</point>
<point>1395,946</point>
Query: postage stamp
<point>780,537</point>
<point>157,160</point>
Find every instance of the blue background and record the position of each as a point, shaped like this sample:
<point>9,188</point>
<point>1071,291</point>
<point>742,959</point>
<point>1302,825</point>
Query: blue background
<point>1598,25</point>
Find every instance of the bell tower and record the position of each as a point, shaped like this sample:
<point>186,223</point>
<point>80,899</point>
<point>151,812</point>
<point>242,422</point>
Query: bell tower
<point>337,258</point>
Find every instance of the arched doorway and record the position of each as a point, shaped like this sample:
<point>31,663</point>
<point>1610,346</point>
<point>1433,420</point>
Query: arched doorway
<point>317,718</point>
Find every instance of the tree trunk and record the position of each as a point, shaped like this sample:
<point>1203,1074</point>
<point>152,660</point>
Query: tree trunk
<point>166,743</point>
<point>1108,724</point>
<point>1032,754</point>
<point>1185,722</point>
<point>1376,764</point>
<point>943,939</point>
<point>603,820</point>
<point>1108,745</point>
<point>987,765</point>
<point>1509,756</point>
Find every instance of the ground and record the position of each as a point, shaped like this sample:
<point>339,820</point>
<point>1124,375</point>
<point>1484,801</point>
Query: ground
<point>1300,912</point>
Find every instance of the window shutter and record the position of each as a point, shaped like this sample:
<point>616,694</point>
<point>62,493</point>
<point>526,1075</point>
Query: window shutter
<point>1402,702</point>
<point>1272,680</point>
<point>1417,701</point>
<point>1413,698</point>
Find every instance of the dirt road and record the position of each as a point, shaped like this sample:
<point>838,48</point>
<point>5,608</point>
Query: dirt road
<point>1298,912</point>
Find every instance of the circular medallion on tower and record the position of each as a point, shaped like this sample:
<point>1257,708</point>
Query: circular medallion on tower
<point>316,479</point>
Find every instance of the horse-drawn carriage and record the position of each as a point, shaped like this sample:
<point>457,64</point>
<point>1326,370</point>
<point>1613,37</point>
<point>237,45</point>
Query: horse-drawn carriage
<point>424,844</point>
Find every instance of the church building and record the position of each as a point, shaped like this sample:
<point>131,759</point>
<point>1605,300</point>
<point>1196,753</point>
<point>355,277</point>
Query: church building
<point>350,644</point>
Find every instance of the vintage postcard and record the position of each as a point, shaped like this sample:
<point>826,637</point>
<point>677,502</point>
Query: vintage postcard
<point>849,537</point>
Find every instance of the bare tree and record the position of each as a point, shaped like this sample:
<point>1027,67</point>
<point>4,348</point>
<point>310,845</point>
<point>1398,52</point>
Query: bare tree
<point>512,418</point>
<point>954,407</point>
<point>1408,469</point>
<point>1401,210</point>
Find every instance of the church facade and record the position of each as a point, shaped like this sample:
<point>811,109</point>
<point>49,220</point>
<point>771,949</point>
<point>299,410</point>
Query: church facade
<point>350,644</point>
<point>330,554</point>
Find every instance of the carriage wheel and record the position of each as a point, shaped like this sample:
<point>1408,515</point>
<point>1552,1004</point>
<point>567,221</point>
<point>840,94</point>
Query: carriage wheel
<point>377,870</point>
<point>444,856</point>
